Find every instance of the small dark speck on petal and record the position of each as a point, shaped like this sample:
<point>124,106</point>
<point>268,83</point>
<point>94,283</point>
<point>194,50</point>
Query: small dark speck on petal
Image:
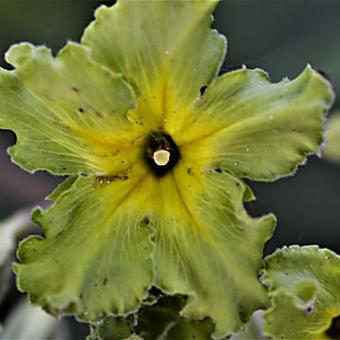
<point>202,90</point>
<point>145,221</point>
<point>309,310</point>
<point>98,114</point>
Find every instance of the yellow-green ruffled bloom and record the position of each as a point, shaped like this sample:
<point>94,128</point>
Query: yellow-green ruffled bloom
<point>155,196</point>
<point>304,285</point>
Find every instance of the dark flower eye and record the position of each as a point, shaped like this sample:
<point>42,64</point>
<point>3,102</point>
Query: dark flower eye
<point>161,153</point>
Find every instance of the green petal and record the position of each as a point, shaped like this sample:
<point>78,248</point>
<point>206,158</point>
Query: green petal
<point>208,248</point>
<point>332,149</point>
<point>96,255</point>
<point>257,129</point>
<point>69,113</point>
<point>165,49</point>
<point>305,291</point>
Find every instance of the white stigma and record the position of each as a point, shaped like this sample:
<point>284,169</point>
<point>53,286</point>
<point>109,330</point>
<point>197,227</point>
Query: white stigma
<point>161,157</point>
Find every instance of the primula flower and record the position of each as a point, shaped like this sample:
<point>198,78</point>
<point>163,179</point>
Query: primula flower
<point>155,196</point>
<point>304,285</point>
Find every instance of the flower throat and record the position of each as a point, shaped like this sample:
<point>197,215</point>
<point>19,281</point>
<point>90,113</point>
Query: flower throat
<point>161,153</point>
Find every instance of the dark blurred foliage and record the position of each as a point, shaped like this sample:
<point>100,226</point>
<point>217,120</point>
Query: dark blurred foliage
<point>279,36</point>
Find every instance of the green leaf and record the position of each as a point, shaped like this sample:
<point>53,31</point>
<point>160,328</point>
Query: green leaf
<point>163,320</point>
<point>190,329</point>
<point>160,320</point>
<point>153,321</point>
<point>165,49</point>
<point>257,129</point>
<point>69,113</point>
<point>110,328</point>
<point>305,293</point>
<point>332,148</point>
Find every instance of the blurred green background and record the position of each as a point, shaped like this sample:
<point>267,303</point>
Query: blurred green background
<point>279,36</point>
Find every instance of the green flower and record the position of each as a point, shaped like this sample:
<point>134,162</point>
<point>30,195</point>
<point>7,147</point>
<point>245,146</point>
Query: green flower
<point>155,196</point>
<point>304,285</point>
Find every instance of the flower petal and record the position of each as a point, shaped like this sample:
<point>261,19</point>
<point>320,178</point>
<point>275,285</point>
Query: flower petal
<point>257,129</point>
<point>304,284</point>
<point>96,255</point>
<point>69,113</point>
<point>332,149</point>
<point>208,248</point>
<point>165,49</point>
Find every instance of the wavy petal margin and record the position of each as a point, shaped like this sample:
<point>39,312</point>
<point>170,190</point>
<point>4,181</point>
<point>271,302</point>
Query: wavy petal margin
<point>257,129</point>
<point>69,113</point>
<point>96,255</point>
<point>305,293</point>
<point>165,49</point>
<point>109,238</point>
<point>208,248</point>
